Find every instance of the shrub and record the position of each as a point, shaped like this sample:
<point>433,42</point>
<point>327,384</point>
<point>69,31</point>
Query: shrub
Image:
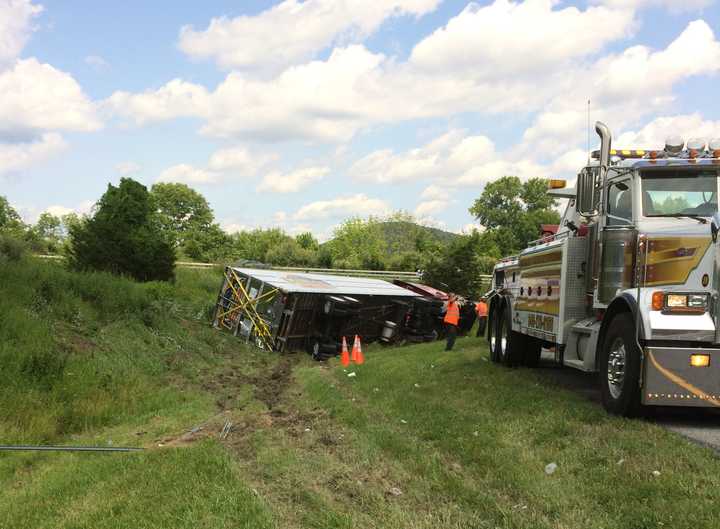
<point>11,249</point>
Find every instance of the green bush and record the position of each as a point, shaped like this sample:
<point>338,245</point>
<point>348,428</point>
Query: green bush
<point>11,249</point>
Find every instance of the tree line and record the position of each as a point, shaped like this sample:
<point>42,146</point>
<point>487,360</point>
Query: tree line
<point>141,232</point>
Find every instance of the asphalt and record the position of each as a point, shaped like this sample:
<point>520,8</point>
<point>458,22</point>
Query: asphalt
<point>700,425</point>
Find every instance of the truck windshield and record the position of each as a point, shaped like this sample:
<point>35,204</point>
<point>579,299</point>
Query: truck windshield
<point>669,193</point>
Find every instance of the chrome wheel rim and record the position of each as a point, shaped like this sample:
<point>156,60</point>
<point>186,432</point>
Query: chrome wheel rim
<point>616,367</point>
<point>493,341</point>
<point>503,338</point>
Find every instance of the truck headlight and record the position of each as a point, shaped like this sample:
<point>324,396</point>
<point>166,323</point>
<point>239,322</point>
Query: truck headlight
<point>682,303</point>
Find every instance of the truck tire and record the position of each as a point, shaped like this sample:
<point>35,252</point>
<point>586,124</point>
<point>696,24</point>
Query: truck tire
<point>493,325</point>
<point>511,343</point>
<point>619,366</point>
<point>531,354</point>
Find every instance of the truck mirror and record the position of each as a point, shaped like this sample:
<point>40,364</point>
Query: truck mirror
<point>586,193</point>
<point>715,226</point>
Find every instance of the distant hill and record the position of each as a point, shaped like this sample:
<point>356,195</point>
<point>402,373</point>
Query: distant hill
<point>402,236</point>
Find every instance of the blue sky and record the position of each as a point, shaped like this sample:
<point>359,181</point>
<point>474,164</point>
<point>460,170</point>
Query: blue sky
<point>300,114</point>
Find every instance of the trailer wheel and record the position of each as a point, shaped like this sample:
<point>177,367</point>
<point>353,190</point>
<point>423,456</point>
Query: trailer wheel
<point>531,354</point>
<point>619,366</point>
<point>511,343</point>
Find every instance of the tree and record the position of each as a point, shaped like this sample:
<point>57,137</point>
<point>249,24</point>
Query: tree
<point>181,210</point>
<point>10,221</point>
<point>307,241</point>
<point>124,236</point>
<point>512,211</point>
<point>290,253</point>
<point>46,235</point>
<point>460,264</point>
<point>208,244</point>
<point>254,245</point>
<point>358,243</point>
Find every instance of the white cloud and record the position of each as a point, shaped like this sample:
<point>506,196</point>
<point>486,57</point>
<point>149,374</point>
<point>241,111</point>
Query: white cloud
<point>292,182</point>
<point>569,163</point>
<point>84,208</point>
<point>240,161</point>
<point>224,164</point>
<point>187,174</point>
<point>467,160</point>
<point>175,99</point>
<point>384,166</point>
<point>519,38</point>
<point>16,157</point>
<point>127,168</point>
<point>15,19</point>
<point>674,6</point>
<point>434,192</point>
<point>235,227</point>
<point>96,62</point>
<point>342,207</point>
<point>654,133</point>
<point>38,97</point>
<point>431,207</point>
<point>624,87</point>
<point>353,89</point>
<point>293,31</point>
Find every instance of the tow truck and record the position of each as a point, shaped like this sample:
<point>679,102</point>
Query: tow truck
<point>628,286</point>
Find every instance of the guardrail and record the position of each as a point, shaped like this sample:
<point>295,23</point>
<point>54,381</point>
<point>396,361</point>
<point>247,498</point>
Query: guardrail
<point>485,279</point>
<point>378,274</point>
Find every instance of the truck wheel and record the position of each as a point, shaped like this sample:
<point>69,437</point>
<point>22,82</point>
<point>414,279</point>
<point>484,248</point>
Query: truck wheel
<point>531,354</point>
<point>493,334</point>
<point>511,343</point>
<point>619,366</point>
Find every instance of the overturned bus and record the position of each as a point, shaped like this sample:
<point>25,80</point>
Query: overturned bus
<point>291,311</point>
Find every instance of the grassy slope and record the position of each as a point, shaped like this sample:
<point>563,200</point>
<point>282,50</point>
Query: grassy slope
<point>463,441</point>
<point>94,359</point>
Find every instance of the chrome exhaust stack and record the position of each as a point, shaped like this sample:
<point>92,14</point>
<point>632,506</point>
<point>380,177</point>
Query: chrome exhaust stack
<point>605,145</point>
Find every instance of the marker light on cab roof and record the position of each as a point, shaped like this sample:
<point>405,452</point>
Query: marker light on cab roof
<point>557,184</point>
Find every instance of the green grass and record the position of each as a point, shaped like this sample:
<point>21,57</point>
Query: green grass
<point>417,438</point>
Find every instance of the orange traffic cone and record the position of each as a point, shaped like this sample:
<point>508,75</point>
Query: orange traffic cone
<point>357,354</point>
<point>345,356</point>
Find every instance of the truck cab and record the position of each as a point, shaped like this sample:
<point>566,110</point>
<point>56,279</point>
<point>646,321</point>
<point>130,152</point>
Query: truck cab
<point>628,285</point>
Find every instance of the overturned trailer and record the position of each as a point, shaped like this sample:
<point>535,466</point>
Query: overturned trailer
<point>290,311</point>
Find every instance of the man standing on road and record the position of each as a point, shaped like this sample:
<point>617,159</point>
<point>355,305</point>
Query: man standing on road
<point>451,320</point>
<point>482,310</point>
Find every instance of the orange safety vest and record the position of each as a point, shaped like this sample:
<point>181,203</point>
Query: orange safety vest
<point>481,308</point>
<point>452,316</point>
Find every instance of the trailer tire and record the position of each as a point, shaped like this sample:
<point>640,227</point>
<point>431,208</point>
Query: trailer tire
<point>619,367</point>
<point>511,343</point>
<point>531,354</point>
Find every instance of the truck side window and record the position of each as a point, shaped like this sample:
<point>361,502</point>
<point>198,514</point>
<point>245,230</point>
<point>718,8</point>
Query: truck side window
<point>619,205</point>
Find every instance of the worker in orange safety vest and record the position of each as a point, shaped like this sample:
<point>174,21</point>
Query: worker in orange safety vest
<point>482,311</point>
<point>451,320</point>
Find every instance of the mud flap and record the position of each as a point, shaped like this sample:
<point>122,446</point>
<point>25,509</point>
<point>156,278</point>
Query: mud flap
<point>670,380</point>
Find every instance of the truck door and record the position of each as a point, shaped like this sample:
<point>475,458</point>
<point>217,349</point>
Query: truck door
<point>618,241</point>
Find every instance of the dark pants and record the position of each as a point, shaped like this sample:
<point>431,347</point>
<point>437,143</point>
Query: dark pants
<point>482,322</point>
<point>451,331</point>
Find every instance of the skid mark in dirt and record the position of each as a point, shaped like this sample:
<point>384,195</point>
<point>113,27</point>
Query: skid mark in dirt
<point>267,386</point>
<point>234,423</point>
<point>270,388</point>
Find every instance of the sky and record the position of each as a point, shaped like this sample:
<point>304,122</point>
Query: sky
<point>300,114</point>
